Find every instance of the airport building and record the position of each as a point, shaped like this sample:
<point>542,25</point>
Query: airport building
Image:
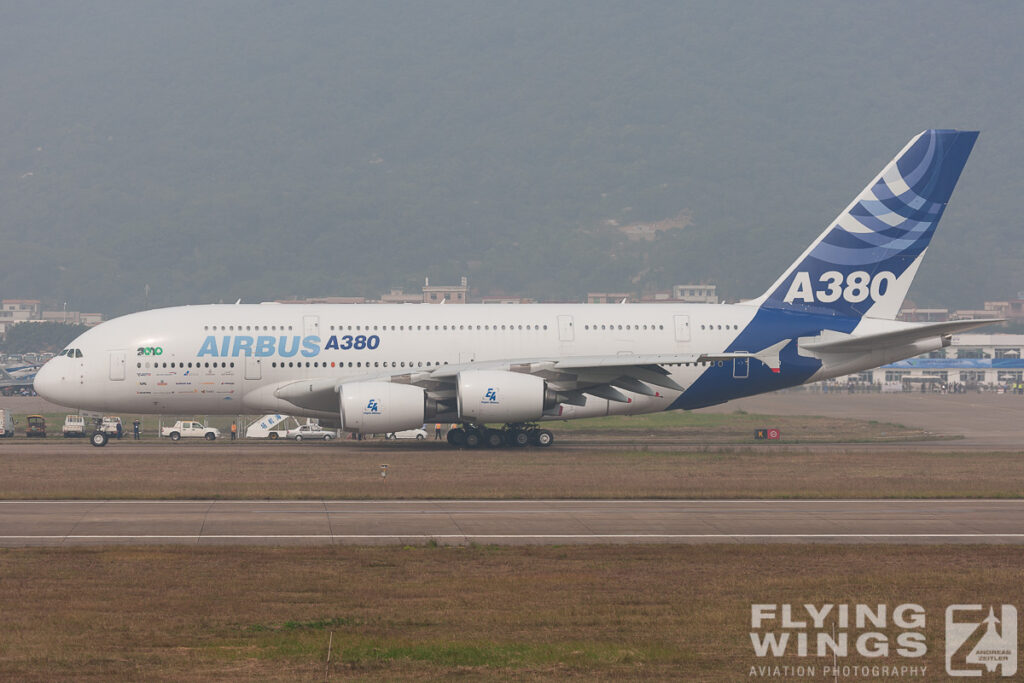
<point>973,360</point>
<point>17,311</point>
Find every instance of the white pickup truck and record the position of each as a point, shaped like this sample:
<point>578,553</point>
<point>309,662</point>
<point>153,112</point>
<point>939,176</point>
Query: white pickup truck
<point>183,429</point>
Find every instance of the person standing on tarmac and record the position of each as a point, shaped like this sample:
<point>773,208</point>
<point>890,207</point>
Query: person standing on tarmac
<point>437,431</point>
<point>136,428</point>
<point>234,430</point>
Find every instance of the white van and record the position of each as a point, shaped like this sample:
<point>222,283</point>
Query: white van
<point>74,425</point>
<point>6,424</point>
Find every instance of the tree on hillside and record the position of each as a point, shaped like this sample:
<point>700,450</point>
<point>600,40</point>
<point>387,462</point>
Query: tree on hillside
<point>40,337</point>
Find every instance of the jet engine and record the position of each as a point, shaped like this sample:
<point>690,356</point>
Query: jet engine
<point>381,407</point>
<point>500,396</point>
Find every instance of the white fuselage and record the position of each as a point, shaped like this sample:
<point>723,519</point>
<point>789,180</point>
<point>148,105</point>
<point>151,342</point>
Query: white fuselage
<point>224,359</point>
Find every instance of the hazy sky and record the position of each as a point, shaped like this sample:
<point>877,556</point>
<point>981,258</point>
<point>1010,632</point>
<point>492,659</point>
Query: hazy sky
<point>264,149</point>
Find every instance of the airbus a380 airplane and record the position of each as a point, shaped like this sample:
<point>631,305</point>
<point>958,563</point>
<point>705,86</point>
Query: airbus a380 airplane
<point>383,368</point>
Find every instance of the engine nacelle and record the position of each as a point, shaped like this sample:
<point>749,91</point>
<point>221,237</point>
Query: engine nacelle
<point>381,407</point>
<point>499,396</point>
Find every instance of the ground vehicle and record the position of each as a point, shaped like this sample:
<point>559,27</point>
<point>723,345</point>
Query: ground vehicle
<point>74,425</point>
<point>418,434</point>
<point>189,428</point>
<point>311,431</point>
<point>273,426</point>
<point>36,426</point>
<point>6,424</point>
<point>110,425</point>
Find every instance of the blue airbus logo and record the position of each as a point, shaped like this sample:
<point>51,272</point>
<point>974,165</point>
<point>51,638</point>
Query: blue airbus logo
<point>284,346</point>
<point>260,347</point>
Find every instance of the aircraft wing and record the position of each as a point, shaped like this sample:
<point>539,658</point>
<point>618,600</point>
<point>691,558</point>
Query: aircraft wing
<point>573,376</point>
<point>900,337</point>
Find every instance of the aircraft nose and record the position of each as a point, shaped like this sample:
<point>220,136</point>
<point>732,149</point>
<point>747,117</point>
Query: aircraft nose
<point>50,383</point>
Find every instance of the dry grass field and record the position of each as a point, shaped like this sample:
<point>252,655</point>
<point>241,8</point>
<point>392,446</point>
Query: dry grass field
<point>651,612</point>
<point>473,613</point>
<point>340,471</point>
<point>657,456</point>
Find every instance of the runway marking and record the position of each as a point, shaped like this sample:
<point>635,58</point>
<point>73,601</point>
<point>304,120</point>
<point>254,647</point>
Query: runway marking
<point>560,501</point>
<point>498,536</point>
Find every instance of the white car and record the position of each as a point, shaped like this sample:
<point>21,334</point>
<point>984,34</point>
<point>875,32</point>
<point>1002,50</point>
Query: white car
<point>309,431</point>
<point>418,434</point>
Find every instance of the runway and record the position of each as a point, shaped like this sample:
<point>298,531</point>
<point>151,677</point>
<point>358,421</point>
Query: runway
<point>65,523</point>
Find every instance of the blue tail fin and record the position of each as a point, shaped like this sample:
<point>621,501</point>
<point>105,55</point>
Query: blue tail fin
<point>863,264</point>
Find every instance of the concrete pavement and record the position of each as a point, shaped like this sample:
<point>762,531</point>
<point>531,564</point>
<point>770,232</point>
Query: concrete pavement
<point>510,522</point>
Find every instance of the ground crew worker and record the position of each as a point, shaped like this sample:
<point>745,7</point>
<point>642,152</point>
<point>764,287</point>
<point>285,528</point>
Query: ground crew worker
<point>136,429</point>
<point>234,430</point>
<point>437,432</point>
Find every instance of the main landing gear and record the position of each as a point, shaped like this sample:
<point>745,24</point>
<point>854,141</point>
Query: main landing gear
<point>513,435</point>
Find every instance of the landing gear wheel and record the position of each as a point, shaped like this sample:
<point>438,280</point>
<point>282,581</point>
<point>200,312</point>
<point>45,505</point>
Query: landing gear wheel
<point>493,439</point>
<point>542,438</point>
<point>456,437</point>
<point>472,438</point>
<point>98,439</point>
<point>518,438</point>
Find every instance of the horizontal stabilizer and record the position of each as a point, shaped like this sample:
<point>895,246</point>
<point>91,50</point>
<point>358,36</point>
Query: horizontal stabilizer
<point>901,337</point>
<point>768,356</point>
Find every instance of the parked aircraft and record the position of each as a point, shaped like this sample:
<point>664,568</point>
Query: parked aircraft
<point>386,368</point>
<point>18,376</point>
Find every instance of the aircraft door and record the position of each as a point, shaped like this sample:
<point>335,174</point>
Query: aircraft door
<point>253,367</point>
<point>682,328</point>
<point>117,363</point>
<point>565,329</point>
<point>740,368</point>
<point>311,325</point>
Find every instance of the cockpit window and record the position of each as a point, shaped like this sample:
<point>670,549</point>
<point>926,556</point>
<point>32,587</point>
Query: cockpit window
<point>63,353</point>
<point>78,353</point>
